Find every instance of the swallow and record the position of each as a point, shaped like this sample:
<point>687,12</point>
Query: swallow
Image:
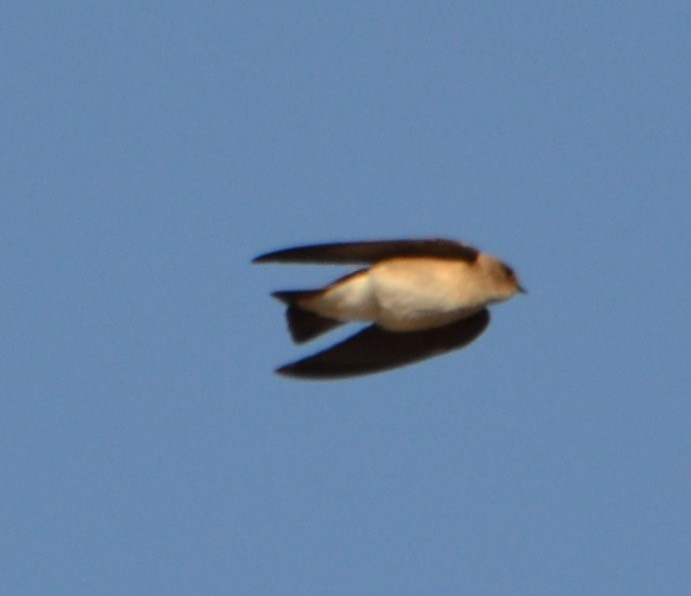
<point>422,298</point>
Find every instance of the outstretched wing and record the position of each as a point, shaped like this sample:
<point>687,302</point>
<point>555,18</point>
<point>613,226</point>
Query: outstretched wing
<point>374,350</point>
<point>371,252</point>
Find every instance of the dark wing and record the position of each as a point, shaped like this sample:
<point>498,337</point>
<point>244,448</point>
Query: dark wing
<point>374,350</point>
<point>371,252</point>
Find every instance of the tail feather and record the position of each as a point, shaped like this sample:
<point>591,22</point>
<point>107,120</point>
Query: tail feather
<point>303,324</point>
<point>292,297</point>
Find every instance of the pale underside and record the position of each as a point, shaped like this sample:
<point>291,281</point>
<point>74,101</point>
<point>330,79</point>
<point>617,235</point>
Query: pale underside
<point>407,294</point>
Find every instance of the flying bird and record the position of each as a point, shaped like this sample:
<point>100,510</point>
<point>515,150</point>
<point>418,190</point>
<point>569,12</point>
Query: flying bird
<point>422,298</point>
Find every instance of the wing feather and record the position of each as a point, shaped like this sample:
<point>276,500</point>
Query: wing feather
<point>374,350</point>
<point>371,252</point>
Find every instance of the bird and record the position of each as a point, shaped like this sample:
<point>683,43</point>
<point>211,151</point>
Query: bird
<point>421,298</point>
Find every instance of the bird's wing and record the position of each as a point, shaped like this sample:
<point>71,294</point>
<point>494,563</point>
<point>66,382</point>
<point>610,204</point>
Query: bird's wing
<point>374,350</point>
<point>371,252</point>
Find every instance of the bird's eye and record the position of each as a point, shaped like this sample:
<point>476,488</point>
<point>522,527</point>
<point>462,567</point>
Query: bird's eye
<point>508,271</point>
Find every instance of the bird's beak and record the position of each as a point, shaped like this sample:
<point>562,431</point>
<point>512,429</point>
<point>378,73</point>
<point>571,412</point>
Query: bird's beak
<point>521,289</point>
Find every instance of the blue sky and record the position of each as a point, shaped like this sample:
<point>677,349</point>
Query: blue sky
<point>150,150</point>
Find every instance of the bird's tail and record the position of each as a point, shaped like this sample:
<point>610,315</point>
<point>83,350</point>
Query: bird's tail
<point>303,324</point>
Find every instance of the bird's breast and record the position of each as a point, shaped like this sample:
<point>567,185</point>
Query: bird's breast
<point>415,294</point>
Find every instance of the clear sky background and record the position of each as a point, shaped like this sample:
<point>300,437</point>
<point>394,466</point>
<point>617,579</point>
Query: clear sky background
<point>150,150</point>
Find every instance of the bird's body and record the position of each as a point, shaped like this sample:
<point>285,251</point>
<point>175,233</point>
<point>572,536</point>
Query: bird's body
<point>410,294</point>
<point>411,287</point>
